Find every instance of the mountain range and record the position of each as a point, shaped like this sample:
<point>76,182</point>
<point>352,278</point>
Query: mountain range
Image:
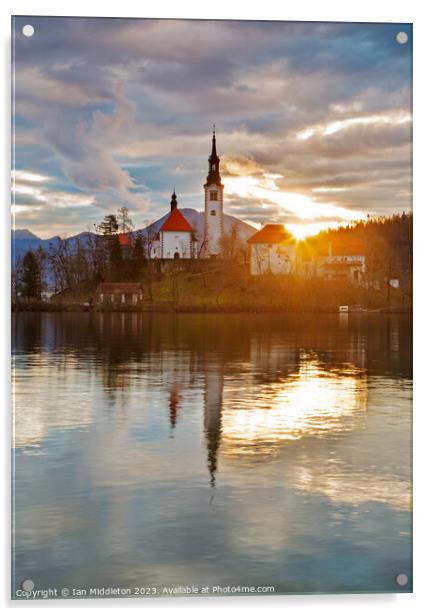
<point>24,240</point>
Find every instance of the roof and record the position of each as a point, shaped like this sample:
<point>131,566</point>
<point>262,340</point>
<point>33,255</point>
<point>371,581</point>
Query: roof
<point>124,239</point>
<point>176,222</point>
<point>119,287</point>
<point>271,234</point>
<point>349,246</point>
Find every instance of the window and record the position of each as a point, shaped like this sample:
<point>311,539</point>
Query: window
<point>213,212</point>
<point>213,195</point>
<point>213,167</point>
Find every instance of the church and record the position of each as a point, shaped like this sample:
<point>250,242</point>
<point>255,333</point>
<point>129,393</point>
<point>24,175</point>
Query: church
<point>176,238</point>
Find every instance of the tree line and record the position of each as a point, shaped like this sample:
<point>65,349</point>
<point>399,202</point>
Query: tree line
<point>94,257</point>
<point>68,262</point>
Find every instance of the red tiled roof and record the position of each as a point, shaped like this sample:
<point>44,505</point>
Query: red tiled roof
<point>271,234</point>
<point>124,239</point>
<point>176,222</point>
<point>352,246</point>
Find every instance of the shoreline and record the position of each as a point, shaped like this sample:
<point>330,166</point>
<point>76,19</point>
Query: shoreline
<point>160,309</point>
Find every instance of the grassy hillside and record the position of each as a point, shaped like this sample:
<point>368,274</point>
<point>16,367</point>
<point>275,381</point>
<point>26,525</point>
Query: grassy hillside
<point>236,290</point>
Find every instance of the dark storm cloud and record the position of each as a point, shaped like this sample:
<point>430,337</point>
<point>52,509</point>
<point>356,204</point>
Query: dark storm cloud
<point>122,109</point>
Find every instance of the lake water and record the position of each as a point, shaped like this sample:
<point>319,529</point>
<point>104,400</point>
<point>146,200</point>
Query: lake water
<point>165,451</point>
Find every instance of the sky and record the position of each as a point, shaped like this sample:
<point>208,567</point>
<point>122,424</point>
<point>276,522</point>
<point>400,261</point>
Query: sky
<point>313,120</point>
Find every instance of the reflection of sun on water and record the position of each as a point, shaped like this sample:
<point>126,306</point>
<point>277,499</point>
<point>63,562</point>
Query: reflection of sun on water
<point>312,402</point>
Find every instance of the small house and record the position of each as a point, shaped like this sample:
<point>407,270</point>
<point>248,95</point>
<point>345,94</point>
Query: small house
<point>345,260</point>
<point>128,293</point>
<point>272,250</point>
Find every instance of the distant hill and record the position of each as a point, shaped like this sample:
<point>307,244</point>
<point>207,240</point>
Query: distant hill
<point>24,234</point>
<point>24,240</point>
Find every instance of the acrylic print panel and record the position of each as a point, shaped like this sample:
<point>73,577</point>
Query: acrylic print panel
<point>212,295</point>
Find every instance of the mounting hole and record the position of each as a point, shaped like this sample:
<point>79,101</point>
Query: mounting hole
<point>28,30</point>
<point>401,579</point>
<point>27,585</point>
<point>402,38</point>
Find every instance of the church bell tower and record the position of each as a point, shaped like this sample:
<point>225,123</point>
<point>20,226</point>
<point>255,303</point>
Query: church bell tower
<point>213,205</point>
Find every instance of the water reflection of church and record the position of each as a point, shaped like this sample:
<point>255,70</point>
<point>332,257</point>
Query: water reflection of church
<point>254,386</point>
<point>212,407</point>
<point>285,395</point>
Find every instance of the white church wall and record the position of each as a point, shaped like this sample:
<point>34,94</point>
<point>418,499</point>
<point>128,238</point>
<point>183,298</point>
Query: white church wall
<point>175,243</point>
<point>272,258</point>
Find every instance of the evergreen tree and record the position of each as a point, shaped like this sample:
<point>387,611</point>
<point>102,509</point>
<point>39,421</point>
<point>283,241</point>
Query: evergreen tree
<point>31,276</point>
<point>108,226</point>
<point>138,249</point>
<point>115,256</point>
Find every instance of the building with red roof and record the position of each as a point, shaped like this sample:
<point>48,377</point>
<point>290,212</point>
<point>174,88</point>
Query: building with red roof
<point>272,250</point>
<point>176,236</point>
<point>345,260</point>
<point>176,222</point>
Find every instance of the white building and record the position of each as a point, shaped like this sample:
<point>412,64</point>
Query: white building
<point>175,239</point>
<point>272,250</point>
<point>345,261</point>
<point>213,205</point>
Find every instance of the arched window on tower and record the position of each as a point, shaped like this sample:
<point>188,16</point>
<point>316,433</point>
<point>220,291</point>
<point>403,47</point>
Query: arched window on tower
<point>213,195</point>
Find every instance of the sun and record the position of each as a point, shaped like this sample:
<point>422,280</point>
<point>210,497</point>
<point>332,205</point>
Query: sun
<point>302,231</point>
<point>312,216</point>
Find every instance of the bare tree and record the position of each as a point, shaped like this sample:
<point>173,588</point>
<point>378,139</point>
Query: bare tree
<point>16,279</point>
<point>125,223</point>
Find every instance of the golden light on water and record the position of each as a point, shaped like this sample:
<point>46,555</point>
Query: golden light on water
<point>312,402</point>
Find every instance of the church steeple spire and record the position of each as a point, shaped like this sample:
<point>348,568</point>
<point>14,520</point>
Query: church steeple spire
<point>174,203</point>
<point>214,162</point>
<point>214,148</point>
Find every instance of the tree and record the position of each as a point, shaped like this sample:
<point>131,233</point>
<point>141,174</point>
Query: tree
<point>125,223</point>
<point>31,276</point>
<point>138,249</point>
<point>16,280</point>
<point>108,226</point>
<point>97,255</point>
<point>42,261</point>
<point>60,260</point>
<point>115,256</point>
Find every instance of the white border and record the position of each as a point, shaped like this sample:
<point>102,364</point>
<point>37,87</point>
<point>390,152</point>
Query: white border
<point>312,10</point>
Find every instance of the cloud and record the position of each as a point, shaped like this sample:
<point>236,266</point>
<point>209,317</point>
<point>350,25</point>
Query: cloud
<point>122,110</point>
